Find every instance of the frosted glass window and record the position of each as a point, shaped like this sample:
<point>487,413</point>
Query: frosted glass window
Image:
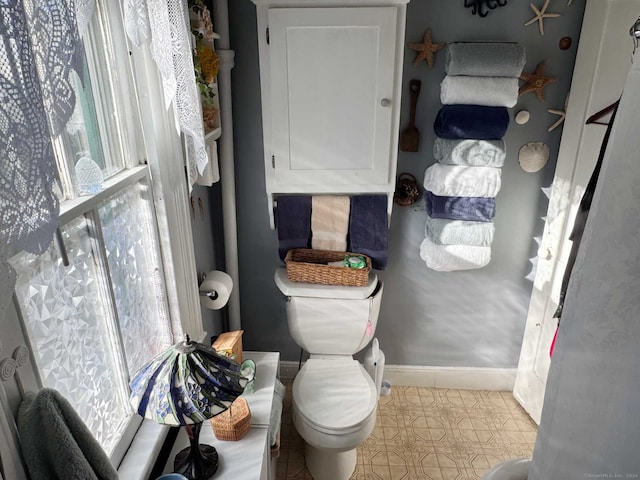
<point>67,319</point>
<point>93,322</point>
<point>133,255</point>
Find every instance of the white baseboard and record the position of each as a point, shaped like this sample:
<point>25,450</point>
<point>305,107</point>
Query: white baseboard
<point>463,378</point>
<point>288,370</point>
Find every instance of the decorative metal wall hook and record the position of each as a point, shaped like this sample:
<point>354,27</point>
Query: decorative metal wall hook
<point>482,7</point>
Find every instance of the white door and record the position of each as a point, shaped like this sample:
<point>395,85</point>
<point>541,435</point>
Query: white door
<point>602,64</point>
<point>332,81</point>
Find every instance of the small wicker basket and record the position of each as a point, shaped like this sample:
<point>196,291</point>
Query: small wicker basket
<point>310,266</point>
<point>233,423</point>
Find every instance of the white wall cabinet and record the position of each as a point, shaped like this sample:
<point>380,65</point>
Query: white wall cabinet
<point>331,85</point>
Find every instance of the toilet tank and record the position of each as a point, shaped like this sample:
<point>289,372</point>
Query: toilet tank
<point>332,320</point>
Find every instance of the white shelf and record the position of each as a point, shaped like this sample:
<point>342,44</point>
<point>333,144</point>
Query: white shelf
<point>213,135</point>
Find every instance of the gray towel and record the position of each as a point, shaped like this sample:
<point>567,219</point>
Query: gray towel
<point>485,59</point>
<point>469,152</point>
<point>457,181</point>
<point>459,232</point>
<point>487,91</point>
<point>56,444</point>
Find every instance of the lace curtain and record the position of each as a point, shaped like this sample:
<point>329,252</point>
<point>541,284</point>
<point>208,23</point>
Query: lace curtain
<point>40,46</point>
<point>164,22</point>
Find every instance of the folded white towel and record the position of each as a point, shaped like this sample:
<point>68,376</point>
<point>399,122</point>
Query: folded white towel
<point>487,91</point>
<point>469,152</point>
<point>459,232</point>
<point>459,181</point>
<point>329,222</point>
<point>448,258</point>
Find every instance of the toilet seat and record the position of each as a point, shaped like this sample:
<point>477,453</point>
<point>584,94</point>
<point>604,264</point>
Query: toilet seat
<point>334,396</point>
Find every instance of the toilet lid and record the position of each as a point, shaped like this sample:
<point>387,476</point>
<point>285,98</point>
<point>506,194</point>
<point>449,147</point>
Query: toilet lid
<point>334,394</point>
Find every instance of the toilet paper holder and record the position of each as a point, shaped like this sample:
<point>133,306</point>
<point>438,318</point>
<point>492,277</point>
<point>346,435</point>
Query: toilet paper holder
<point>212,294</point>
<point>214,289</point>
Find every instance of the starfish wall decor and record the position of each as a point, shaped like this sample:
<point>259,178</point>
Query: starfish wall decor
<point>536,81</point>
<point>480,7</point>
<point>541,15</point>
<point>561,113</point>
<point>426,49</point>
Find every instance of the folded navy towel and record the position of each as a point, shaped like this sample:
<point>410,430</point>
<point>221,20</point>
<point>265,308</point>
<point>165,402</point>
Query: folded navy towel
<point>293,217</point>
<point>368,228</point>
<point>475,209</point>
<point>471,121</point>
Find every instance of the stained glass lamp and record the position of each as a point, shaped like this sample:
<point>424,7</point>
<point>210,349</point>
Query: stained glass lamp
<point>184,386</point>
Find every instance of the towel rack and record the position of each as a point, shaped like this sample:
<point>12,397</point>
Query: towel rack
<point>273,201</point>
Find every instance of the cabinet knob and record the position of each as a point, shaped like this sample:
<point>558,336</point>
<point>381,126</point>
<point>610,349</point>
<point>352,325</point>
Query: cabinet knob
<point>385,102</point>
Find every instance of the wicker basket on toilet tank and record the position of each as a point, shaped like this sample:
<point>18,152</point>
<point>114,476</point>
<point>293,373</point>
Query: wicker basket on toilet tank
<point>311,266</point>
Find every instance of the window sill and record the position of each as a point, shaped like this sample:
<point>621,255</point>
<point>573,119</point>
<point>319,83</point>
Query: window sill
<point>143,452</point>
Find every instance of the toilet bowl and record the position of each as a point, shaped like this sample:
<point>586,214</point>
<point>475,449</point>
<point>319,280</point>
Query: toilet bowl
<point>334,410</point>
<point>334,398</point>
<point>515,469</point>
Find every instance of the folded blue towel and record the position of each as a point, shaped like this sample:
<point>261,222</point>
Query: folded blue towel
<point>471,121</point>
<point>293,217</point>
<point>475,209</point>
<point>368,228</point>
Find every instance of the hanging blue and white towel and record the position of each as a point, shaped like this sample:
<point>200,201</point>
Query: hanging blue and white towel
<point>293,220</point>
<point>369,229</point>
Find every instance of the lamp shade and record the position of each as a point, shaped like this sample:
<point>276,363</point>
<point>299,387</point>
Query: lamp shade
<point>188,384</point>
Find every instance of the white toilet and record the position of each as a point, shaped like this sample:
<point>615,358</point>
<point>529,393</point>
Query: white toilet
<point>334,397</point>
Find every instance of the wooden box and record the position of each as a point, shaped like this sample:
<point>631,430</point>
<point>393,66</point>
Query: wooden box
<point>229,344</point>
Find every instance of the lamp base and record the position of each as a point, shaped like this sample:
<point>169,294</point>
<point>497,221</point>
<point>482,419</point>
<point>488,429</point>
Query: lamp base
<point>202,469</point>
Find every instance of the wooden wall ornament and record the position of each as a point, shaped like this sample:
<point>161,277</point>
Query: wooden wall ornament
<point>482,7</point>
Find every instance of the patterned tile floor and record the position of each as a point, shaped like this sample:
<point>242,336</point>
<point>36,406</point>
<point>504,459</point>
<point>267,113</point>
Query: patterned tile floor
<point>427,434</point>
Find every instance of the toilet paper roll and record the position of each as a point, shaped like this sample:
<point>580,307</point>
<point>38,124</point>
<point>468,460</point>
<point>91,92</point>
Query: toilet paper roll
<point>215,290</point>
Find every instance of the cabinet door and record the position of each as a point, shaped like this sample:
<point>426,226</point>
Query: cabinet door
<point>332,79</point>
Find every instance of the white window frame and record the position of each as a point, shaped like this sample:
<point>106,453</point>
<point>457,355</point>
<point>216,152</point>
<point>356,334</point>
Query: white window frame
<point>164,167</point>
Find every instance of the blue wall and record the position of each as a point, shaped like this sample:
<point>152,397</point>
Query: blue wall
<point>474,318</point>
